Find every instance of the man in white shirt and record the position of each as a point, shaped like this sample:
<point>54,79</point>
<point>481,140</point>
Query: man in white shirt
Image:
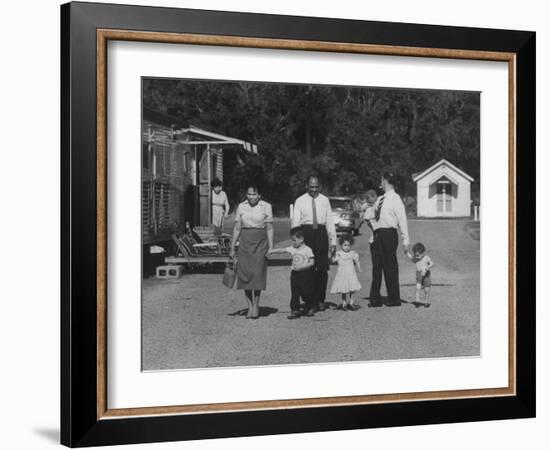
<point>389,212</point>
<point>313,213</point>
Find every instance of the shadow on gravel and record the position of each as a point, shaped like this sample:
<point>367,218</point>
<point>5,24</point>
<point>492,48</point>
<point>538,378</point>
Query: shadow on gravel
<point>384,300</point>
<point>416,304</point>
<point>265,311</point>
<point>420,304</point>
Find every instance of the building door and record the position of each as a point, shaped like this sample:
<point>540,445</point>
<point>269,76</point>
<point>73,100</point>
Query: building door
<point>205,178</point>
<point>444,197</point>
<point>210,167</point>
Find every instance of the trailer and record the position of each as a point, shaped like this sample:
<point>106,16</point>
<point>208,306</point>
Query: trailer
<point>179,163</point>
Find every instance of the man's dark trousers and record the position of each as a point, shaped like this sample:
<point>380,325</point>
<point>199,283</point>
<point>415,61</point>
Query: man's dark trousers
<point>384,261</point>
<point>317,240</point>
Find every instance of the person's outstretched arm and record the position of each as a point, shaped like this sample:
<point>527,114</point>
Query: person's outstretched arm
<point>331,228</point>
<point>402,222</point>
<point>357,262</point>
<point>226,205</point>
<point>269,226</point>
<point>269,229</point>
<point>296,215</point>
<point>236,232</point>
<point>279,250</point>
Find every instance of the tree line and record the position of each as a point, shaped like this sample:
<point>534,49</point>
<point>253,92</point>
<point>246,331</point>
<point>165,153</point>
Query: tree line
<point>346,135</point>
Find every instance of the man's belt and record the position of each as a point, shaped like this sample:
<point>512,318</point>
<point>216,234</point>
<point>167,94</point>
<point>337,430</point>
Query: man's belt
<point>309,225</point>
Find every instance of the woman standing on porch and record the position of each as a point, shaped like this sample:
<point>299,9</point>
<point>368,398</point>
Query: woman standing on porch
<point>254,231</point>
<point>220,206</point>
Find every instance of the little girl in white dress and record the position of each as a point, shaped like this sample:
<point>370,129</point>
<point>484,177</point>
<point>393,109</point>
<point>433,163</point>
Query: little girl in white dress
<point>346,282</point>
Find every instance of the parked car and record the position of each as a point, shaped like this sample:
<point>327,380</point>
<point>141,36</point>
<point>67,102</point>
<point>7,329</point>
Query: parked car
<point>346,214</point>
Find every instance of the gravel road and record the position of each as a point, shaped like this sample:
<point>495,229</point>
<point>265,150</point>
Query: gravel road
<point>195,322</point>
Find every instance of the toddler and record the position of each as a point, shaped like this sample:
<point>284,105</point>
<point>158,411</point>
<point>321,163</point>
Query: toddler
<point>424,265</point>
<point>368,211</point>
<point>346,282</point>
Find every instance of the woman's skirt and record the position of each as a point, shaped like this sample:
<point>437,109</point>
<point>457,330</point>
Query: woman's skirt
<point>252,261</point>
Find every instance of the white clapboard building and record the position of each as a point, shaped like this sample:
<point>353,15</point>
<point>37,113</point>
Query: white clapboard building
<point>443,190</point>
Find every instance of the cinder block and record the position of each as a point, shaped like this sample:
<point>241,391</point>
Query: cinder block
<point>168,271</point>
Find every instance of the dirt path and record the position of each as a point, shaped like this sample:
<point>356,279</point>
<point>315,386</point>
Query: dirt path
<point>195,321</point>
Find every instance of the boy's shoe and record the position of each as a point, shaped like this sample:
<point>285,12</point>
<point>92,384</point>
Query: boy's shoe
<point>426,305</point>
<point>322,306</point>
<point>293,315</point>
<point>353,308</point>
<point>310,313</point>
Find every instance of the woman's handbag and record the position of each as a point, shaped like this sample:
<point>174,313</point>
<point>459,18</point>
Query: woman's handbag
<point>230,273</point>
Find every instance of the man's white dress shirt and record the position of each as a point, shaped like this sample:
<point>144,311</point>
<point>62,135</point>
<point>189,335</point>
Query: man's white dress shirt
<point>303,214</point>
<point>392,214</point>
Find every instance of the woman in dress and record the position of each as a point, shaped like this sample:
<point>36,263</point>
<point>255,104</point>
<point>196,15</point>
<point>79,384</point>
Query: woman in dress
<point>220,206</point>
<point>254,231</point>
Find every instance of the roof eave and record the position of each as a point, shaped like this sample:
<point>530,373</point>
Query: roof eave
<point>436,165</point>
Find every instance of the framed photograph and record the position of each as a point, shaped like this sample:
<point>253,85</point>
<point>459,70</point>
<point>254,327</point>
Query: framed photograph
<point>278,224</point>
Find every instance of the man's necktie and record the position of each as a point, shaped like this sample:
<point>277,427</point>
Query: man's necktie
<point>314,212</point>
<point>379,209</point>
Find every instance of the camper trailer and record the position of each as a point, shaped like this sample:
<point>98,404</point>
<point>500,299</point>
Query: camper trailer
<point>179,162</point>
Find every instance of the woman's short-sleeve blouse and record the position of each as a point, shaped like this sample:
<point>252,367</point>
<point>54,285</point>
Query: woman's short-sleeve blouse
<point>254,216</point>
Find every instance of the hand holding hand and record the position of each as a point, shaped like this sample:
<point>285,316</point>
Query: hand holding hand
<point>332,251</point>
<point>406,249</point>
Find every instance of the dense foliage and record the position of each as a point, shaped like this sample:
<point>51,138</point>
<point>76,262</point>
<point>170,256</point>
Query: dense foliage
<point>347,135</point>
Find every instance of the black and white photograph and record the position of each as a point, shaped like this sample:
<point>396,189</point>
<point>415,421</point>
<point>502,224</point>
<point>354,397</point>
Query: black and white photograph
<point>304,223</point>
<point>228,199</point>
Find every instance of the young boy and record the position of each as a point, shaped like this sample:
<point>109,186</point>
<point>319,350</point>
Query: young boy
<point>424,264</point>
<point>301,277</point>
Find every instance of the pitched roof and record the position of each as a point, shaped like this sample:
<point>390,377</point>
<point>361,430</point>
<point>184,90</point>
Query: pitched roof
<point>418,176</point>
